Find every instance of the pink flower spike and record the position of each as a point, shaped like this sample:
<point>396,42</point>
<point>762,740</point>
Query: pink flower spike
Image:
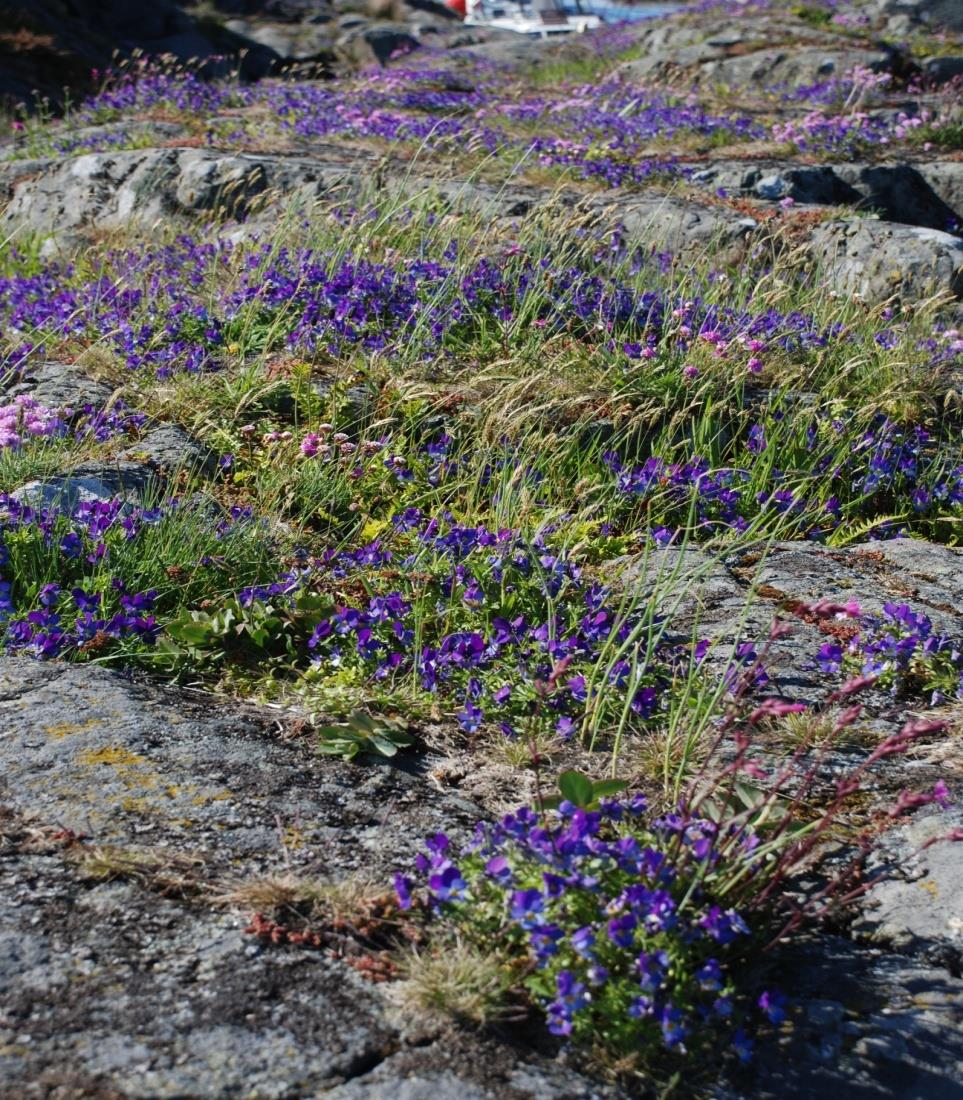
<point>909,800</point>
<point>753,770</point>
<point>851,687</point>
<point>846,787</point>
<point>848,717</point>
<point>954,836</point>
<point>921,726</point>
<point>775,708</point>
<point>941,794</point>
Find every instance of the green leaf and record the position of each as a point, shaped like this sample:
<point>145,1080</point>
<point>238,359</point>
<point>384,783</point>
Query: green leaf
<point>337,744</point>
<point>384,745</point>
<point>577,788</point>
<point>605,788</point>
<point>751,796</point>
<point>191,631</point>
<point>363,732</point>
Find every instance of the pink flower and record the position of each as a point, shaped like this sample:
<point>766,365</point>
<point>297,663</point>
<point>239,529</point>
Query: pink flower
<point>824,609</point>
<point>848,716</point>
<point>851,687</point>
<point>775,708</point>
<point>911,800</point>
<point>753,770</point>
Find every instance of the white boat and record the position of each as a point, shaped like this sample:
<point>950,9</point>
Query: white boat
<point>537,18</point>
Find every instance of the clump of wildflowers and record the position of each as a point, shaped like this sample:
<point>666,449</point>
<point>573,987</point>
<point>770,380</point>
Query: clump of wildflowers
<point>829,474</point>
<point>608,915</point>
<point>626,924</point>
<point>901,651</point>
<point>25,418</point>
<point>72,578</point>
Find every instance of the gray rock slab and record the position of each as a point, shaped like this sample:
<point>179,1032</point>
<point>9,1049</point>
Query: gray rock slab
<point>924,193</point>
<point>941,70</point>
<point>66,197</point>
<point>921,910</point>
<point>708,596</point>
<point>400,1079</point>
<point>94,481</point>
<point>168,447</point>
<point>59,386</point>
<point>770,49</point>
<point>863,1025</point>
<point>150,999</point>
<point>882,260</point>
<point>114,989</point>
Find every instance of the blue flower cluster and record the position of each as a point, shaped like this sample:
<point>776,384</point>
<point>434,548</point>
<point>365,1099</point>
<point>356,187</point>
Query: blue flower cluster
<point>901,651</point>
<point>613,911</point>
<point>501,665</point>
<point>203,296</point>
<point>84,547</point>
<point>820,484</point>
<point>74,620</point>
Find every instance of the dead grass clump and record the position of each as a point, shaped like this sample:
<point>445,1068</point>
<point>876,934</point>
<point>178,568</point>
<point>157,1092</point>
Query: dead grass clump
<point>456,981</point>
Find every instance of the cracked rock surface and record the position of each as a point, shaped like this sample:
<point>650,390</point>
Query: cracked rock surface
<point>147,996</point>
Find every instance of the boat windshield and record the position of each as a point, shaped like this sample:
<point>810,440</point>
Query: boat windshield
<point>545,16</point>
<point>497,8</point>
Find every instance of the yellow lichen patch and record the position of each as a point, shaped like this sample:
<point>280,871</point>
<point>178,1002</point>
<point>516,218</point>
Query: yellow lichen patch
<point>292,838</point>
<point>930,887</point>
<point>113,756</point>
<point>65,729</point>
<point>133,804</point>
<point>144,790</point>
<point>217,796</point>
